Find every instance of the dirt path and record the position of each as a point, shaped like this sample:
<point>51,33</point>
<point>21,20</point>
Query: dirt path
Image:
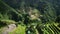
<point>8,29</point>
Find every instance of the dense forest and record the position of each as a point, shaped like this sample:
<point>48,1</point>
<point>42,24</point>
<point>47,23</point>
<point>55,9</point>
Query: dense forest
<point>29,16</point>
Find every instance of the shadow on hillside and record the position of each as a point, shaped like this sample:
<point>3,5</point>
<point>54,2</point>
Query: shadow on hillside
<point>2,24</point>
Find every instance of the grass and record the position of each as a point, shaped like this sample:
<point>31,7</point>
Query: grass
<point>8,21</point>
<point>19,30</point>
<point>1,30</point>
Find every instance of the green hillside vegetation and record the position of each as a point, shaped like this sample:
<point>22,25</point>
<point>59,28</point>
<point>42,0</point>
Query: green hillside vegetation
<point>30,16</point>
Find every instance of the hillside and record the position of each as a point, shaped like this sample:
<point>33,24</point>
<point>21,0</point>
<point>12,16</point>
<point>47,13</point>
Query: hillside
<point>27,14</point>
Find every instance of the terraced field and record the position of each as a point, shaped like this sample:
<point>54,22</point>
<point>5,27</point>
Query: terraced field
<point>52,28</point>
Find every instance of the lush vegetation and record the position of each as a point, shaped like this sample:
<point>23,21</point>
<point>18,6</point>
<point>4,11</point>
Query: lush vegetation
<point>30,16</point>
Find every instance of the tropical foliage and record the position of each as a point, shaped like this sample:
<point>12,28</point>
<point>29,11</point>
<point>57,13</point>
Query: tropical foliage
<point>30,16</point>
